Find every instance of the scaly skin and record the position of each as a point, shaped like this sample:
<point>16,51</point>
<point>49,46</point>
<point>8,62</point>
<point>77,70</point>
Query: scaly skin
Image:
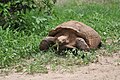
<point>46,42</point>
<point>81,44</point>
<point>63,43</point>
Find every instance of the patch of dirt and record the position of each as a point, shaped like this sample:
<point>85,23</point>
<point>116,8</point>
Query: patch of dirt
<point>107,68</point>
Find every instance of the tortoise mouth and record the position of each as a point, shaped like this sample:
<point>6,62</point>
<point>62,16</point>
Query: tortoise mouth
<point>64,47</point>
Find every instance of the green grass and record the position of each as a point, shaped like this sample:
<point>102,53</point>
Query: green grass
<point>20,49</point>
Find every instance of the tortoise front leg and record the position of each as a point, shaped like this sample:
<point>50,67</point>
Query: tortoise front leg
<point>46,42</point>
<point>81,44</point>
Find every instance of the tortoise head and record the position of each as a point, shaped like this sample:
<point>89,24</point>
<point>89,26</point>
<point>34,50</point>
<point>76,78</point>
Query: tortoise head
<point>62,40</point>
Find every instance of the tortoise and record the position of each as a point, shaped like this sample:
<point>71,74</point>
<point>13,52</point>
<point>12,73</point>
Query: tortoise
<point>72,34</point>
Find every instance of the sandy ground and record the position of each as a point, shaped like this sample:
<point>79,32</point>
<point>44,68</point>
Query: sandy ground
<point>107,68</point>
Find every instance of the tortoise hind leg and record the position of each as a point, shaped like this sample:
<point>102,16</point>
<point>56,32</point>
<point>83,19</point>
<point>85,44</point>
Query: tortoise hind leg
<point>46,42</point>
<point>81,44</point>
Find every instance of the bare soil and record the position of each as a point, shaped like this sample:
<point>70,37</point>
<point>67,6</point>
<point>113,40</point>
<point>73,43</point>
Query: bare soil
<point>107,68</point>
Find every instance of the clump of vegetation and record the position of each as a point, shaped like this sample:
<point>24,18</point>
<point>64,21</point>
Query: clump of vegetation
<point>12,12</point>
<point>20,49</point>
<point>45,6</point>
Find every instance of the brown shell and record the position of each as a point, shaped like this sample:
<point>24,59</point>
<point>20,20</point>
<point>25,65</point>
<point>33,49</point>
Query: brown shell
<point>91,37</point>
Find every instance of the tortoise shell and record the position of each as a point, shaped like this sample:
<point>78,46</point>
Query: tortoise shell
<point>91,37</point>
